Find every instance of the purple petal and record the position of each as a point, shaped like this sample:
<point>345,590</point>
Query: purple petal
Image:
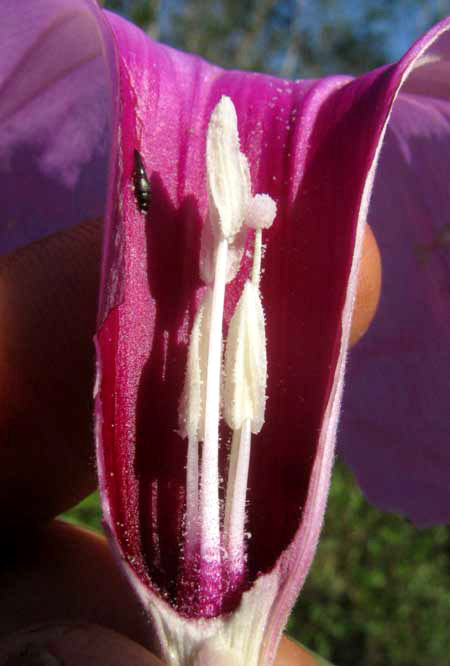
<point>54,122</point>
<point>396,409</point>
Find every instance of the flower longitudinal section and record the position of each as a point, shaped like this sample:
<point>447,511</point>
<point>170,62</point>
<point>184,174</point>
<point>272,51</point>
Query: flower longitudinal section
<point>228,385</point>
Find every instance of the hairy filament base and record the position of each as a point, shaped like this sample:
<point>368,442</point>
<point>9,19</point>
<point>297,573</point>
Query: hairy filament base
<point>234,523</point>
<point>209,488</point>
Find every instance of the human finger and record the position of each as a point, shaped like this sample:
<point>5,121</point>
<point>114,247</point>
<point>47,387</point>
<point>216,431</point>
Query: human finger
<point>48,297</point>
<point>62,571</point>
<point>72,645</point>
<point>368,290</point>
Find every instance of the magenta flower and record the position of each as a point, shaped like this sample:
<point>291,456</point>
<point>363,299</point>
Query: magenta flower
<point>217,547</point>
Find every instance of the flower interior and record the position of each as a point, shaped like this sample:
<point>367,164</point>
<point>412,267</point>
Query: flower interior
<point>218,352</point>
<point>233,388</point>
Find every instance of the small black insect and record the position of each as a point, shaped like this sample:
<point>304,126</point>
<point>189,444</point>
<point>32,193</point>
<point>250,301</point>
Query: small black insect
<point>142,188</point>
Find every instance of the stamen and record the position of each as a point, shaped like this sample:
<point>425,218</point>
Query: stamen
<point>209,491</point>
<point>191,534</point>
<point>223,241</point>
<point>233,528</point>
<point>245,398</point>
<point>191,417</point>
<point>245,363</point>
<point>245,388</point>
<point>227,170</point>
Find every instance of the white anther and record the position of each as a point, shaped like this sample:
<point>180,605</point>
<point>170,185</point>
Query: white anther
<point>192,403</point>
<point>228,173</point>
<point>246,363</point>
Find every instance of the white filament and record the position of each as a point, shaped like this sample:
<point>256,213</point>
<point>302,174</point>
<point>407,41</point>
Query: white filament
<point>232,211</point>
<point>209,488</point>
<point>234,522</point>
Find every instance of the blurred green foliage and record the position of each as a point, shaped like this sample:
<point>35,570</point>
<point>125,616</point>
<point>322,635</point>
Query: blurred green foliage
<point>87,513</point>
<point>378,593</point>
<point>379,590</point>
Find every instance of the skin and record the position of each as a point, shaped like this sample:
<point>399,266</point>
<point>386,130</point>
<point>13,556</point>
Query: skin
<point>369,288</point>
<point>48,294</point>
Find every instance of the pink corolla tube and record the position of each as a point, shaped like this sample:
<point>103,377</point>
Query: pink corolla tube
<point>312,148</point>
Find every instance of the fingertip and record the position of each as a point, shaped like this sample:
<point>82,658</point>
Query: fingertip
<point>71,644</point>
<point>291,653</point>
<point>45,575</point>
<point>48,302</point>
<point>368,288</point>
